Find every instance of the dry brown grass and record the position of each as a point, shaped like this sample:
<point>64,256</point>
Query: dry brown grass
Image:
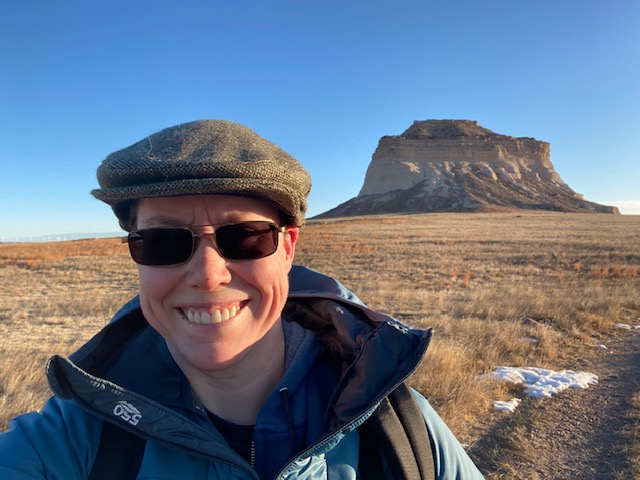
<point>484,282</point>
<point>35,255</point>
<point>21,378</point>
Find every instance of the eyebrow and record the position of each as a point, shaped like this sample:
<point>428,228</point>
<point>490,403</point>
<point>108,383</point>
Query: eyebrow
<point>161,220</point>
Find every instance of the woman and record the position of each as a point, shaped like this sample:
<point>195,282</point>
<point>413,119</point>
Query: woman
<point>232,362</point>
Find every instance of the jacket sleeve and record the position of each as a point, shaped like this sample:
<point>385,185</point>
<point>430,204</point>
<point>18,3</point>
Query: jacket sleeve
<point>451,460</point>
<point>60,442</point>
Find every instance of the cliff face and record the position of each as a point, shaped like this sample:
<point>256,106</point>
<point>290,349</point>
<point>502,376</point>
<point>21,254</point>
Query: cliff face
<point>457,165</point>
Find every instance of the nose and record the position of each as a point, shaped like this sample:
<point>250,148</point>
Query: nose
<point>207,268</point>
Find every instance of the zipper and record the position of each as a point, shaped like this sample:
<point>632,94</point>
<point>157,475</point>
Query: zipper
<point>284,396</point>
<point>253,454</point>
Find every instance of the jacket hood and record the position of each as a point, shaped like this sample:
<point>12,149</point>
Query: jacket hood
<point>359,341</point>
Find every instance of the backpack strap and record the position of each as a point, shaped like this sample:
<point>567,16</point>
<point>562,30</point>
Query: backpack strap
<point>398,430</point>
<point>119,454</point>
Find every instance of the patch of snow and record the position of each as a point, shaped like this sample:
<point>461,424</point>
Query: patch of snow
<point>509,406</point>
<point>539,382</point>
<point>622,326</point>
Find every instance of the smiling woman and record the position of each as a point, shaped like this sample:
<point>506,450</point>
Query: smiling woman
<point>231,362</point>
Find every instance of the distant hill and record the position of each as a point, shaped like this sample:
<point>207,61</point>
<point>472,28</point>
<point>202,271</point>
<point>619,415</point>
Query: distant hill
<point>456,166</point>
<point>62,237</point>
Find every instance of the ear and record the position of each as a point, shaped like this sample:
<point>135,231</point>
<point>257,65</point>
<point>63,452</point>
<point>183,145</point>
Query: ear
<point>290,238</point>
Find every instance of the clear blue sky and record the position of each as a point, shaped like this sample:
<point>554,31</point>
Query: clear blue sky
<point>322,79</point>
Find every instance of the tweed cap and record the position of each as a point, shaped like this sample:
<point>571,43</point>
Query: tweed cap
<point>202,157</point>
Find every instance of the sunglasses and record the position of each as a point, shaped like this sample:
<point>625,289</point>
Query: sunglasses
<point>164,246</point>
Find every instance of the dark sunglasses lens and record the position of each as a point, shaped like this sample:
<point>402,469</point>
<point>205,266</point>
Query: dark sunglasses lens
<point>247,240</point>
<point>161,246</point>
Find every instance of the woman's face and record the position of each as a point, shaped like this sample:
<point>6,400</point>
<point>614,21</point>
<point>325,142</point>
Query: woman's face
<point>211,311</point>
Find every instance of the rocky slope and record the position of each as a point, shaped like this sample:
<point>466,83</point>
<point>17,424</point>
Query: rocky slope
<point>457,165</point>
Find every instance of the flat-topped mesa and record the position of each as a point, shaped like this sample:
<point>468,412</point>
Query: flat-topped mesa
<point>432,150</point>
<point>457,165</point>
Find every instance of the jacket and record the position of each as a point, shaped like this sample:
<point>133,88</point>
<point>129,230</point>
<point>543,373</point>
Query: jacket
<point>341,360</point>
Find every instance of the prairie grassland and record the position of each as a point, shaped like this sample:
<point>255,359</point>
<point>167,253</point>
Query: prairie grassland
<point>483,282</point>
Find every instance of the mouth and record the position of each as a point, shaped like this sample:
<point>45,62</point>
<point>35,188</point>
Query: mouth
<point>211,316</point>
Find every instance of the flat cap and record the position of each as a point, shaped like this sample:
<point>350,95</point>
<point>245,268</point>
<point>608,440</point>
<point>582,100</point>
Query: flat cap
<point>203,157</point>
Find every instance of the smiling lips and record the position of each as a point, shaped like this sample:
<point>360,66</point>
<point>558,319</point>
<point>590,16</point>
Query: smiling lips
<point>208,317</point>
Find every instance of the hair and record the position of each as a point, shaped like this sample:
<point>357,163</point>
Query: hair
<point>130,222</point>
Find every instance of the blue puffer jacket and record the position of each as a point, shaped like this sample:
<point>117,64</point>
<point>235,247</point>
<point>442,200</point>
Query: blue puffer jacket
<point>342,359</point>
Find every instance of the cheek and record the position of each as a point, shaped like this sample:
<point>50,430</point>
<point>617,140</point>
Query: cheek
<point>154,283</point>
<point>144,277</point>
<point>273,276</point>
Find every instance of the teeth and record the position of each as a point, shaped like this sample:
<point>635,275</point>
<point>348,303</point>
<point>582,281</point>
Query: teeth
<point>217,316</point>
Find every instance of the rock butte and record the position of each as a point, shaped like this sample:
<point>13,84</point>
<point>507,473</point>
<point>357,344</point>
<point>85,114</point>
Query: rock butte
<point>459,166</point>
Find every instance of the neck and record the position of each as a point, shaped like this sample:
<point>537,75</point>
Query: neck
<point>237,393</point>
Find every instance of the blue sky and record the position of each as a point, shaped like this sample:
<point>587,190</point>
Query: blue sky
<point>322,79</point>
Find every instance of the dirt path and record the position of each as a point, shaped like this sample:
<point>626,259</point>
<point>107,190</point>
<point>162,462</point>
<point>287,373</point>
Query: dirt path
<point>579,434</point>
